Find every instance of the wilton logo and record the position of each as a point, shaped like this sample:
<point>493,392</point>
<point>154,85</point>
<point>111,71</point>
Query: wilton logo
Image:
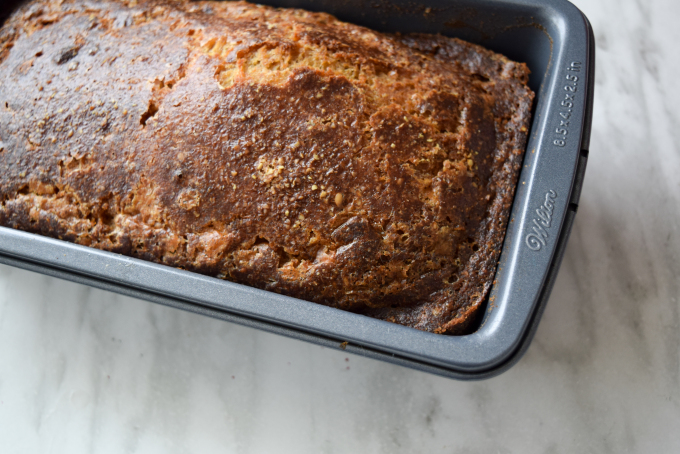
<point>536,239</point>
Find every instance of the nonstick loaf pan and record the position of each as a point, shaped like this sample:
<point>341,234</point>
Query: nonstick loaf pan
<point>556,41</point>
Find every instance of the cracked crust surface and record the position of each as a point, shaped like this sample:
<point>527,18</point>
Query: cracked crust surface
<point>280,149</point>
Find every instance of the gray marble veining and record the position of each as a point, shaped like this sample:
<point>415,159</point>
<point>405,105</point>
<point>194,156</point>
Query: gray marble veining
<point>83,370</point>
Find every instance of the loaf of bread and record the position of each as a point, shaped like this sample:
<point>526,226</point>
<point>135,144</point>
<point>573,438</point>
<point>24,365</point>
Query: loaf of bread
<point>276,148</point>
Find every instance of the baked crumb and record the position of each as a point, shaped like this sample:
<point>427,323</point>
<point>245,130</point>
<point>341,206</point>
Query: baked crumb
<point>178,136</point>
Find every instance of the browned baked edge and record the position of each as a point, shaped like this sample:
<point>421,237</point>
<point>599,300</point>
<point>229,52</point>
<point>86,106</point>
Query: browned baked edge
<point>277,148</point>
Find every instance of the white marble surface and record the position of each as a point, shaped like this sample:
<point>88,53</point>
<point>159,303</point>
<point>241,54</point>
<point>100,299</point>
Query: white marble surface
<point>85,371</point>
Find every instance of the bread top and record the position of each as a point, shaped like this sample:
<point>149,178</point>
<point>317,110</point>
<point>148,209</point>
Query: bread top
<point>278,148</point>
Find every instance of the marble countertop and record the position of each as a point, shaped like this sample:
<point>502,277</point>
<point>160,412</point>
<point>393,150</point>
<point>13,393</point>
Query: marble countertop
<point>85,371</point>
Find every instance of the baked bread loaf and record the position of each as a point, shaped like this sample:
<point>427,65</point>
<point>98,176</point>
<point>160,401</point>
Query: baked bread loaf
<point>277,148</point>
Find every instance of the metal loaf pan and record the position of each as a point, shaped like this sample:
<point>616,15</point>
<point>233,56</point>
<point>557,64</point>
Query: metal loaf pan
<point>556,41</point>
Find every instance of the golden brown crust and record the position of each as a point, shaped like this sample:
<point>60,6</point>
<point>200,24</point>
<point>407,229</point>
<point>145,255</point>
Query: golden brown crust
<point>277,148</point>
